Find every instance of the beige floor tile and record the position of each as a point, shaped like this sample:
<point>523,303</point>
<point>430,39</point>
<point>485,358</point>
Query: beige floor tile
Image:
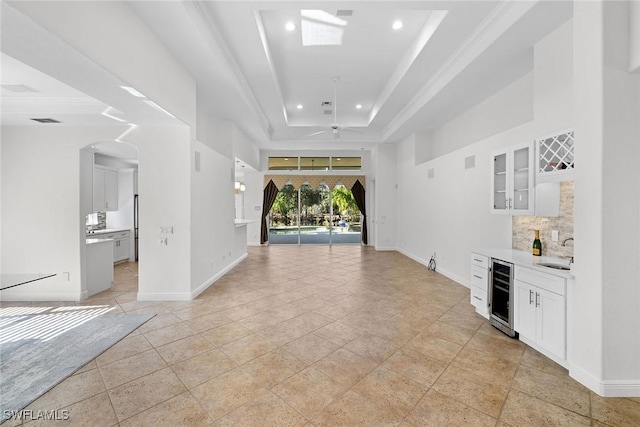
<point>485,365</point>
<point>203,367</point>
<point>472,390</point>
<point>434,347</point>
<point>345,366</point>
<point>225,334</point>
<point>367,301</point>
<point>524,410</point>
<point>372,348</point>
<point>534,359</point>
<point>169,334</point>
<point>274,367</point>
<point>309,391</point>
<point>616,412</point>
<point>416,366</point>
<point>561,391</point>
<point>449,332</point>
<point>391,391</point>
<point>129,346</point>
<point>182,410</point>
<point>247,348</point>
<point>436,409</point>
<point>184,349</point>
<point>229,391</point>
<point>96,410</point>
<point>146,392</point>
<point>310,348</point>
<point>72,390</point>
<point>338,333</point>
<point>130,368</point>
<point>265,410</point>
<point>353,409</point>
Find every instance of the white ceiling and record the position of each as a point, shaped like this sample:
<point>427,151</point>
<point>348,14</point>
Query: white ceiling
<point>448,56</point>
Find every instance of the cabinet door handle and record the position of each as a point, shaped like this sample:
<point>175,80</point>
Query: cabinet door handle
<point>537,299</point>
<point>477,277</point>
<point>477,260</point>
<point>530,296</point>
<point>478,298</point>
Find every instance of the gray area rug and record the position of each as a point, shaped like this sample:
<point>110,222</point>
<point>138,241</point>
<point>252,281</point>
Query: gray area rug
<point>38,351</point>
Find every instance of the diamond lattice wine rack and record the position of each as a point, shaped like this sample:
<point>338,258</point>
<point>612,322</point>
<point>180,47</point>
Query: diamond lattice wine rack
<point>555,155</point>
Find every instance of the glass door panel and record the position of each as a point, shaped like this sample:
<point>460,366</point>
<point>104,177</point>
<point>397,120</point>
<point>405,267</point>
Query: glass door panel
<point>347,221</point>
<point>283,218</point>
<point>315,214</point>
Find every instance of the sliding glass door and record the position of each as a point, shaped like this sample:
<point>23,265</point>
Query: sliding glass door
<point>314,216</point>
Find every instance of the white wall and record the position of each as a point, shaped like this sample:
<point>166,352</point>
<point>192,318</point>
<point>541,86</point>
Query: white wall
<point>42,217</point>
<point>634,36</point>
<point>163,180</point>
<point>213,247</point>
<point>606,346</point>
<point>449,213</point>
<point>385,203</point>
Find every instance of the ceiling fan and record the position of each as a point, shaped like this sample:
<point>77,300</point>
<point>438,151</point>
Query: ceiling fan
<point>335,128</point>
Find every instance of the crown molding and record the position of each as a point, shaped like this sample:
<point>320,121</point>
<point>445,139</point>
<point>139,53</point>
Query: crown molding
<point>501,18</point>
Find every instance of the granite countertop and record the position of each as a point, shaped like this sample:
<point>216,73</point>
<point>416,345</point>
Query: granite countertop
<point>525,259</point>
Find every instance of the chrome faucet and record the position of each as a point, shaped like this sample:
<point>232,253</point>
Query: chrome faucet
<point>564,242</point>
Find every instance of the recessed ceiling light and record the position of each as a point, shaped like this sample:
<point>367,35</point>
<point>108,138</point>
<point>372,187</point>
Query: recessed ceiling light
<point>397,25</point>
<point>359,106</point>
<point>286,159</point>
<point>290,26</point>
<point>299,107</point>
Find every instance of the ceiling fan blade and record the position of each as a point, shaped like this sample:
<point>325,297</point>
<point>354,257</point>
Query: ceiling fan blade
<point>317,133</point>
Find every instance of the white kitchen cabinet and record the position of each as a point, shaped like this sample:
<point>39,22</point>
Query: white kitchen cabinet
<point>121,243</point>
<point>512,181</point>
<point>105,189</point>
<point>540,312</point>
<point>555,157</point>
<point>480,283</point>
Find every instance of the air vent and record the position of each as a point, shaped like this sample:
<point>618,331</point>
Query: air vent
<point>344,12</point>
<point>18,88</point>
<point>328,112</point>
<point>326,103</point>
<point>46,120</point>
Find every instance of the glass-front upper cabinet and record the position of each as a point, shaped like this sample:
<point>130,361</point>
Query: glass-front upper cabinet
<point>512,180</point>
<point>555,157</point>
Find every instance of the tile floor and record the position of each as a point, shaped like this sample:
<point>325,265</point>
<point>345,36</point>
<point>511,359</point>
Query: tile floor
<point>322,336</point>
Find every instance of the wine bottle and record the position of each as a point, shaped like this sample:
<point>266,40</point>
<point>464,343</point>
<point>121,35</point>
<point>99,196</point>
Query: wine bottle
<point>537,244</point>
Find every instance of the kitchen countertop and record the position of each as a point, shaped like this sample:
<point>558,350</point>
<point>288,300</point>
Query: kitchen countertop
<point>107,231</point>
<point>242,222</point>
<point>525,259</point>
<point>94,241</point>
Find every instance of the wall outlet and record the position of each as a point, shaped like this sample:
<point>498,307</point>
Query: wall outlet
<point>554,235</point>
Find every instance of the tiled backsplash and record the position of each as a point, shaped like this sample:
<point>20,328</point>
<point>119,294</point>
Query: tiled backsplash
<point>524,226</point>
<point>102,222</point>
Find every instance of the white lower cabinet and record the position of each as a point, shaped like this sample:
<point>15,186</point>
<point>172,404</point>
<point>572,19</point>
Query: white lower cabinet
<point>121,244</point>
<point>540,315</point>
<point>480,283</point>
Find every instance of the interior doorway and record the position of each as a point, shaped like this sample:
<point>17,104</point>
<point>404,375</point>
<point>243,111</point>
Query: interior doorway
<point>109,199</point>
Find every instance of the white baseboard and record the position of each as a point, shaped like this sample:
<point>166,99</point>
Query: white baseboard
<point>43,296</point>
<point>605,388</point>
<point>445,273</point>
<point>386,248</point>
<point>188,296</point>
<point>210,281</point>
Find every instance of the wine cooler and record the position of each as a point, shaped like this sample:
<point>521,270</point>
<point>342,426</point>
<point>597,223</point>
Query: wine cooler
<point>501,297</point>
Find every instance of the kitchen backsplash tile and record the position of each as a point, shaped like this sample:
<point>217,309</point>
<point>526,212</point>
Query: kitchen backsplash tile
<point>102,222</point>
<point>523,227</point>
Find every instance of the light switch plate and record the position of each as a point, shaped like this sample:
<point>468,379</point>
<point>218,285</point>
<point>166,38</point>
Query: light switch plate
<point>554,235</point>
